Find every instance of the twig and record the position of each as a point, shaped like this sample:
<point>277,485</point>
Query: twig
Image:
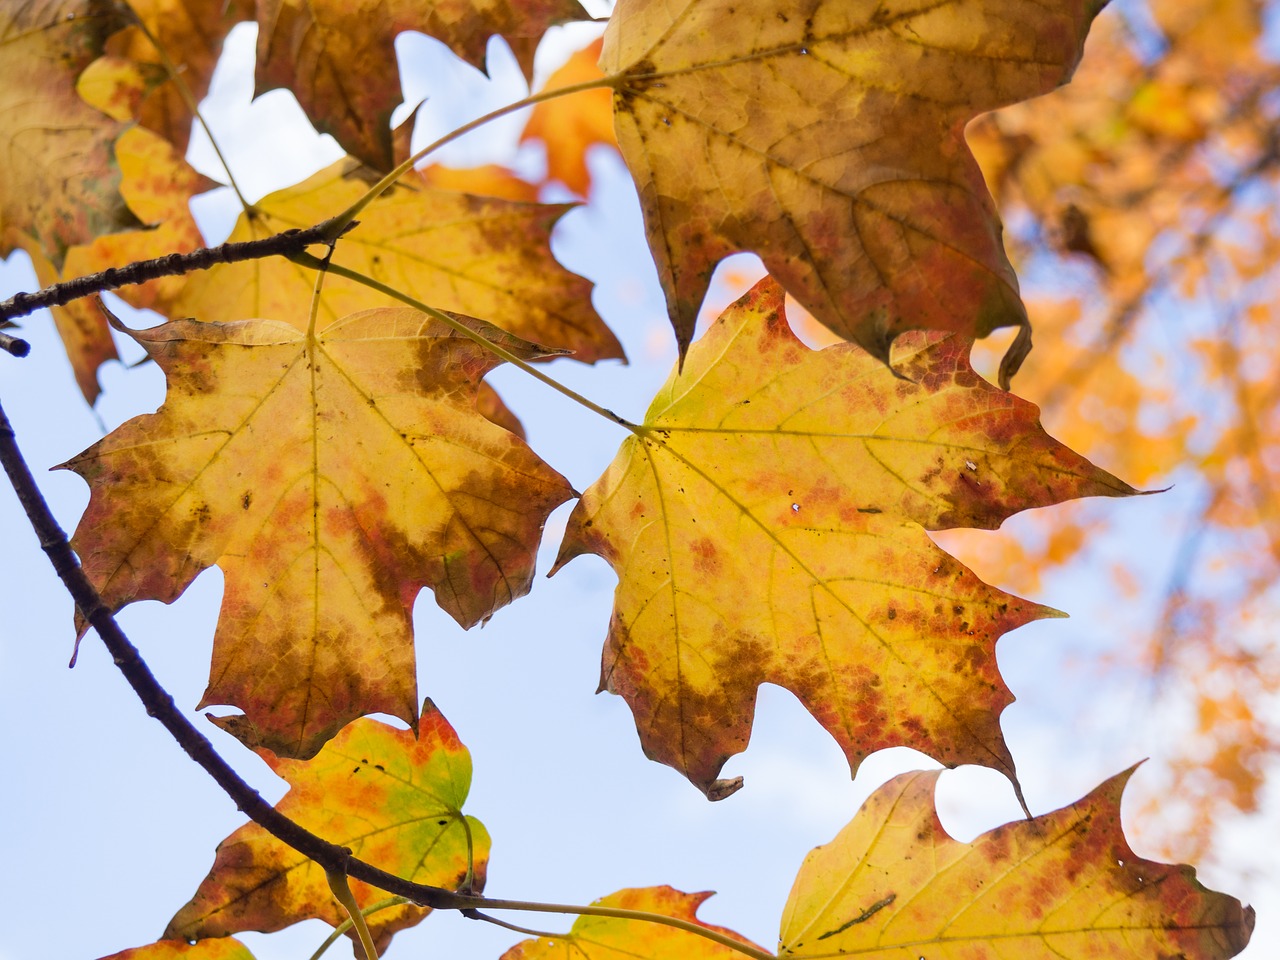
<point>282,244</point>
<point>14,345</point>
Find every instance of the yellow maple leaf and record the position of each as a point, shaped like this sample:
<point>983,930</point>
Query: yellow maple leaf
<point>1064,886</point>
<point>331,477</point>
<point>768,525</point>
<point>828,138</point>
<point>483,256</point>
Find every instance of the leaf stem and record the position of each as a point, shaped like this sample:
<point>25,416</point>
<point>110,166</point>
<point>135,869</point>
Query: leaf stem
<point>342,892</point>
<point>346,925</point>
<point>340,222</point>
<point>302,258</point>
<point>189,99</point>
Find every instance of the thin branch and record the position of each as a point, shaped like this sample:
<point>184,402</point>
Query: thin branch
<point>14,345</point>
<point>285,244</point>
<point>159,704</point>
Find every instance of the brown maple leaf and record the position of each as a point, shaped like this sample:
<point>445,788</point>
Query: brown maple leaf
<point>768,525</point>
<point>828,137</point>
<point>330,476</point>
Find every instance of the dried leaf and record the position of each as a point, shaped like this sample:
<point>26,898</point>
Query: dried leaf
<point>331,478</point>
<point>827,137</point>
<point>769,526</point>
<point>395,799</point>
<point>1064,886</point>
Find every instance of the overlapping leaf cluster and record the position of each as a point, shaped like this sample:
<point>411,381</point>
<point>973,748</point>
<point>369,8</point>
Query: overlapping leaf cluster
<point>334,453</point>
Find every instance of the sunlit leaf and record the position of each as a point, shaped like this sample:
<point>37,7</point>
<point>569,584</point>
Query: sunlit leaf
<point>395,799</point>
<point>827,137</point>
<point>769,526</point>
<point>330,478</point>
<point>483,256</point>
<point>1065,886</point>
<point>609,938</point>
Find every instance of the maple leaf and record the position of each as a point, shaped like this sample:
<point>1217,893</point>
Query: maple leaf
<point>612,938</point>
<point>768,525</point>
<point>569,125</point>
<point>827,137</point>
<point>1064,886</point>
<point>474,255</point>
<point>336,55</point>
<point>157,184</point>
<point>60,184</point>
<point>218,948</point>
<point>190,33</point>
<point>394,798</point>
<point>331,478</point>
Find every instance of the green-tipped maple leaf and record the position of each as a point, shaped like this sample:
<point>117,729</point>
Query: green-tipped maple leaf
<point>331,477</point>
<point>338,57</point>
<point>828,137</point>
<point>220,948</point>
<point>768,525</point>
<point>1064,886</point>
<point>482,256</point>
<point>395,799</point>
<point>617,938</point>
<point>60,184</point>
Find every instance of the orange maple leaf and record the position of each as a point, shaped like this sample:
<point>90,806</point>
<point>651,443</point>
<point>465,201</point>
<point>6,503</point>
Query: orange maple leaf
<point>570,125</point>
<point>331,477</point>
<point>768,525</point>
<point>828,138</point>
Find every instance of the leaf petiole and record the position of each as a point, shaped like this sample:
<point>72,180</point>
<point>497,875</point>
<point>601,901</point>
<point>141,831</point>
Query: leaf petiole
<point>342,893</point>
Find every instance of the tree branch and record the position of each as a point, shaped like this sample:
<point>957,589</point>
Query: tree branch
<point>281,244</point>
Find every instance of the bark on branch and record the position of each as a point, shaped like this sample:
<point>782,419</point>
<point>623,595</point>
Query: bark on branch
<point>281,244</point>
